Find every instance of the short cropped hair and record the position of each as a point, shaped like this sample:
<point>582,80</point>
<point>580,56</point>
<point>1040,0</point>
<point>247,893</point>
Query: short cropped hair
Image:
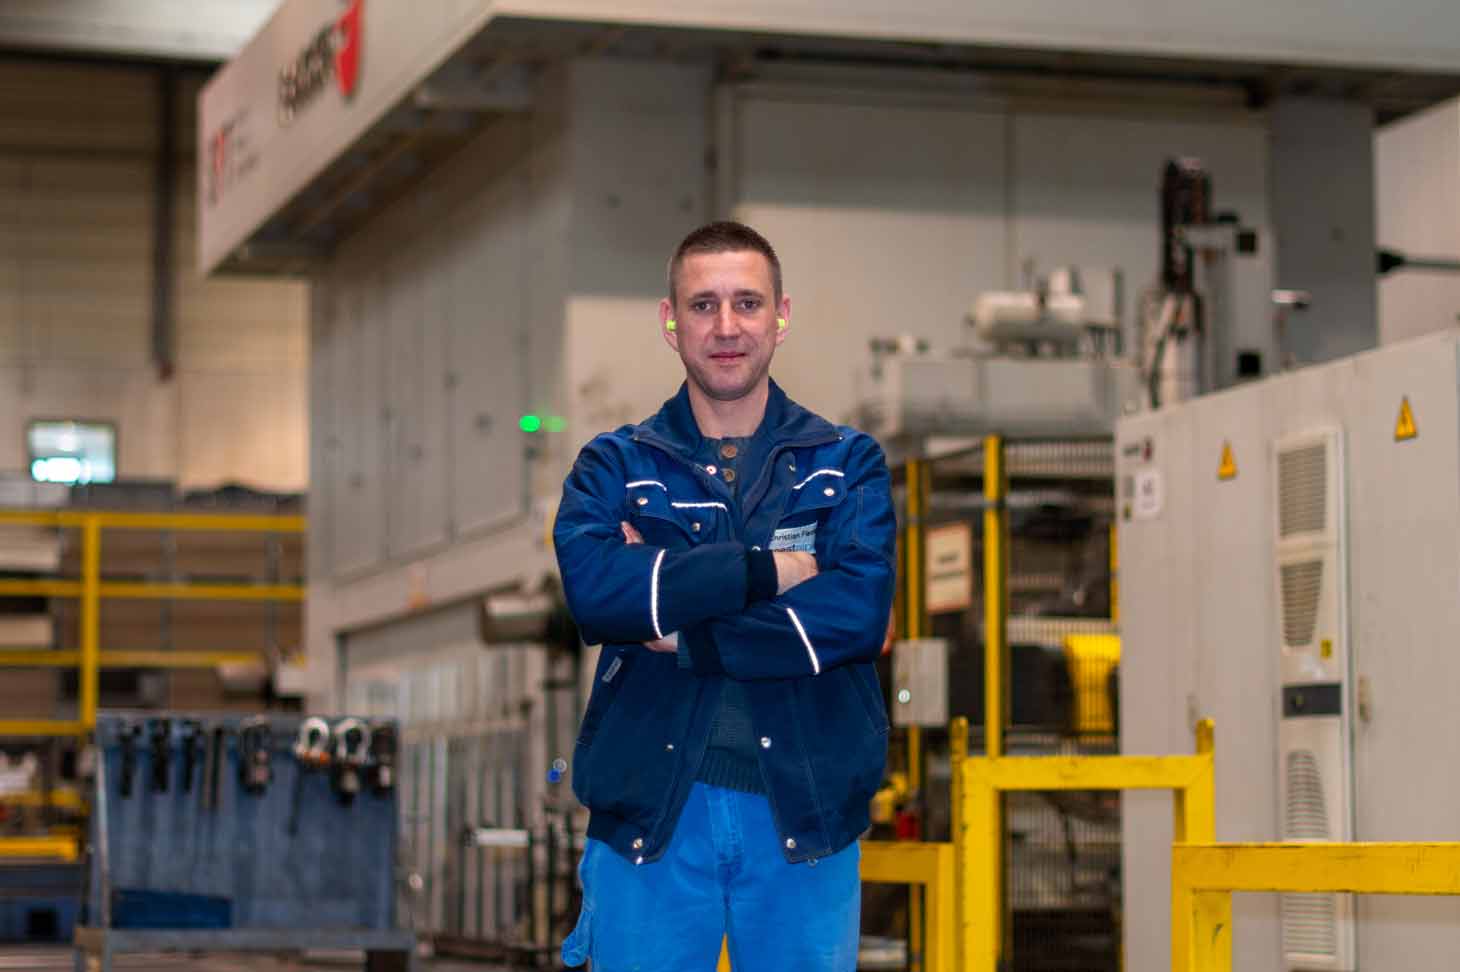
<point>724,236</point>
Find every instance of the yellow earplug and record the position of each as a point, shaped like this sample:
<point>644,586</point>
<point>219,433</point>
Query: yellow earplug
<point>780,323</point>
<point>669,325</point>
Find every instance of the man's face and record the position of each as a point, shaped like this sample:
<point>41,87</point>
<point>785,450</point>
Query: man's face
<point>726,329</point>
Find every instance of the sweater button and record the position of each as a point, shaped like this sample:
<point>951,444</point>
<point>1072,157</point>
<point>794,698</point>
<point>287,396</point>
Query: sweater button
<point>643,501</point>
<point>790,843</point>
<point>669,748</point>
<point>639,859</point>
<point>695,527</point>
<point>711,470</point>
<point>638,843</point>
<point>765,742</point>
<point>829,491</point>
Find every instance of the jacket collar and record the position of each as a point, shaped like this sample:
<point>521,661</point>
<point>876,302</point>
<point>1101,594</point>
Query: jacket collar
<point>785,423</point>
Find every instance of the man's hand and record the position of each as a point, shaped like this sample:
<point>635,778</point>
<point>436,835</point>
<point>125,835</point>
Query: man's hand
<point>670,644</point>
<point>793,567</point>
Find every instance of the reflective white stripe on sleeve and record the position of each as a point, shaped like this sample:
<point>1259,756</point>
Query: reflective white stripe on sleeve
<point>646,482</point>
<point>815,662</point>
<point>654,596</point>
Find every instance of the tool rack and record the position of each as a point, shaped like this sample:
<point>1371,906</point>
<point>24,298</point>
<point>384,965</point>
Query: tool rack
<point>219,810</point>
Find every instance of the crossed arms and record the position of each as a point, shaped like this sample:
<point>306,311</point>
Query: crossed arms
<point>821,615</point>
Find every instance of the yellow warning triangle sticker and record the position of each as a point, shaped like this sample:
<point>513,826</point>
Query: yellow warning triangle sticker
<point>1228,468</point>
<point>1405,428</point>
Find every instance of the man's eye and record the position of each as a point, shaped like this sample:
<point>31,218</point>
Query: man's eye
<point>749,305</point>
<point>701,307</point>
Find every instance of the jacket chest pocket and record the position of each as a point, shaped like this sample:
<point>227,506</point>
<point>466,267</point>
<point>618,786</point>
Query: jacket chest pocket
<point>804,522</point>
<point>675,525</point>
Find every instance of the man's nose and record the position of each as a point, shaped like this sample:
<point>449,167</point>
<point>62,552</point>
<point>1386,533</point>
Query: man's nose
<point>726,324</point>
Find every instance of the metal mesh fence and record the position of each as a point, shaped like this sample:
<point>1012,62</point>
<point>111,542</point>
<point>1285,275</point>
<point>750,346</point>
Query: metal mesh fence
<point>1062,849</point>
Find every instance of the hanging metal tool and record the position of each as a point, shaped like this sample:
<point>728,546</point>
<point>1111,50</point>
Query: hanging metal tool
<point>384,746</point>
<point>130,733</point>
<point>255,745</point>
<point>312,754</point>
<point>161,752</point>
<point>215,754</point>
<point>352,749</point>
<point>190,734</point>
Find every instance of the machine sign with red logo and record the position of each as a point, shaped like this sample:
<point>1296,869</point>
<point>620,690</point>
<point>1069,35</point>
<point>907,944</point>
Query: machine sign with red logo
<point>333,52</point>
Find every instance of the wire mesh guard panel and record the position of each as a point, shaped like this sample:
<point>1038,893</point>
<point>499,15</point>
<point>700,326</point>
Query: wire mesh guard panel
<point>1063,881</point>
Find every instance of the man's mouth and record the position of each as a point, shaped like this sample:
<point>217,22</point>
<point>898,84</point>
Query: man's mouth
<point>727,356</point>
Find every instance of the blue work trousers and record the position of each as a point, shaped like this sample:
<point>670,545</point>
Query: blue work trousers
<point>723,875</point>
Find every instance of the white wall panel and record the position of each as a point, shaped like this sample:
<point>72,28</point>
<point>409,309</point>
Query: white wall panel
<point>1417,212</point>
<point>402,306</point>
<point>429,450</point>
<point>620,369</point>
<point>489,380</point>
<point>144,410</point>
<point>1323,205</point>
<point>77,170</point>
<point>887,219</point>
<point>241,428</point>
<point>362,509</point>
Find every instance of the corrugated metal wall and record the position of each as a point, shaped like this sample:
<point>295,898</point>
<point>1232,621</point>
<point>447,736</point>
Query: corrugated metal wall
<point>480,727</point>
<point>78,146</point>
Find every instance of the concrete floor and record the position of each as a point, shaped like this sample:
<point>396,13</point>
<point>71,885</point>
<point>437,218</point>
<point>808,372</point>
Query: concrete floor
<point>25,958</point>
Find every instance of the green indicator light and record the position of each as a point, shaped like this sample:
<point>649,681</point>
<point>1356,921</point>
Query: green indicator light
<point>529,423</point>
<point>556,423</point>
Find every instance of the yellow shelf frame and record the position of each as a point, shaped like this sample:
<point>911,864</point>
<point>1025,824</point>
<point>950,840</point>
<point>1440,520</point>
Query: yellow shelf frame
<point>1192,780</point>
<point>39,848</point>
<point>1205,875</point>
<point>91,590</point>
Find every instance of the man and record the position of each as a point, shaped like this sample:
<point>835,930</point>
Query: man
<point>734,556</point>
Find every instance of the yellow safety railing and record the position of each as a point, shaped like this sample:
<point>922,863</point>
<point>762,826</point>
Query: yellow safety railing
<point>1191,778</point>
<point>39,848</point>
<point>91,590</point>
<point>926,865</point>
<point>1204,876</point>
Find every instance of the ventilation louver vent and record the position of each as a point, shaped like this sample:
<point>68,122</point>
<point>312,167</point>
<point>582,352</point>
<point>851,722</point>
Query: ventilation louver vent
<point>1305,817</point>
<point>1302,584</point>
<point>1310,924</point>
<point>1302,491</point>
<point>1310,921</point>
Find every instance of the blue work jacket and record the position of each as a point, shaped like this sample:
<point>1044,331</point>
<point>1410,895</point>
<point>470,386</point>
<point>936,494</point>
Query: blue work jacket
<point>805,657</point>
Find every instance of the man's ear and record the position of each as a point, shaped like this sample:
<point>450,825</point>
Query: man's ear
<point>667,324</point>
<point>783,318</point>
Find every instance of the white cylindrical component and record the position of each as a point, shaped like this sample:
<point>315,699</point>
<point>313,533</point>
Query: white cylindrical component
<point>1004,316</point>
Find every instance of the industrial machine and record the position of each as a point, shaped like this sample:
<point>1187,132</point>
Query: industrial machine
<point>1290,557</point>
<point>1057,359</point>
<point>1043,361</point>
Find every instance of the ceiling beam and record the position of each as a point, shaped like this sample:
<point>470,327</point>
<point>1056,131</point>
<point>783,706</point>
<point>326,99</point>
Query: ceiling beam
<point>174,30</point>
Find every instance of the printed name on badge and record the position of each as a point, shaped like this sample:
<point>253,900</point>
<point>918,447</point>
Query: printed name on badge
<point>802,538</point>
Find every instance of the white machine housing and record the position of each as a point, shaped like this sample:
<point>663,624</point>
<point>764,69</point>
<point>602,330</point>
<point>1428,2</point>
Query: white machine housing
<point>933,394</point>
<point>1202,619</point>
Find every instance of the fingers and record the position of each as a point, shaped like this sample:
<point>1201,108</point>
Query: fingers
<point>792,568</point>
<point>669,644</point>
<point>630,534</point>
